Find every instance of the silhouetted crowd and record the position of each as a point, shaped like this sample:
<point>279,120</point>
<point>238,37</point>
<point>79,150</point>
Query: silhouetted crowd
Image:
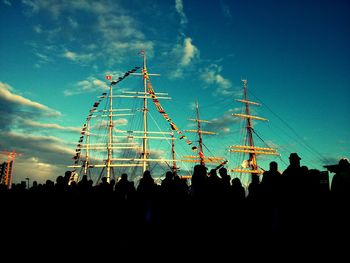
<point>295,209</point>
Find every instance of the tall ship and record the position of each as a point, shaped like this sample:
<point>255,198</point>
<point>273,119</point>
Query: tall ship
<point>127,130</point>
<point>249,152</point>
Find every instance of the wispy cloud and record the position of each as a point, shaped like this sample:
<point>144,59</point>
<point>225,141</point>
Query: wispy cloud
<point>186,53</point>
<point>104,123</point>
<point>190,52</point>
<point>48,149</point>
<point>180,10</point>
<point>212,76</point>
<point>50,126</point>
<point>7,2</point>
<point>9,97</point>
<point>72,22</point>
<point>22,125</point>
<point>223,124</point>
<point>91,84</point>
<point>80,58</point>
<point>36,152</point>
<point>38,29</point>
<point>116,31</point>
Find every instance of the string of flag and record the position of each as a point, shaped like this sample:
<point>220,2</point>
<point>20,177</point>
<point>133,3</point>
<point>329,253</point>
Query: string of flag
<point>126,74</point>
<point>83,131</point>
<point>162,111</point>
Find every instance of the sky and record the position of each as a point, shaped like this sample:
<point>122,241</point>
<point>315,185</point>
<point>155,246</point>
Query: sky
<point>295,55</point>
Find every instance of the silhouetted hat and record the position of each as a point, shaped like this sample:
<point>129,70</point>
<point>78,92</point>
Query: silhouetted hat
<point>294,156</point>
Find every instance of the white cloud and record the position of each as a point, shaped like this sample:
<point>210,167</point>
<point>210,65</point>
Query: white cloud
<point>177,73</point>
<point>7,95</point>
<point>185,54</point>
<point>136,46</point>
<point>115,30</point>
<point>73,23</point>
<point>43,58</point>
<point>41,157</point>
<point>212,75</point>
<point>91,84</point>
<point>190,52</point>
<point>223,124</point>
<point>49,126</point>
<point>81,58</point>
<point>38,29</point>
<point>180,10</point>
<point>99,83</point>
<point>36,171</point>
<point>70,55</point>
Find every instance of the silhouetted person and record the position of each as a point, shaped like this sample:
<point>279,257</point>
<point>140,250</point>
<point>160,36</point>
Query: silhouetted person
<point>225,179</point>
<point>271,189</point>
<point>124,188</point>
<point>167,184</point>
<point>340,190</point>
<point>271,183</point>
<point>199,181</point>
<point>293,177</point>
<point>147,192</point>
<point>340,186</point>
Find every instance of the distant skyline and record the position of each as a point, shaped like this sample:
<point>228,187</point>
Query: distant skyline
<point>54,56</point>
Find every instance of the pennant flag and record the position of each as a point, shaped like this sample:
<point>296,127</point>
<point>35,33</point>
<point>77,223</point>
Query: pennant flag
<point>114,82</point>
<point>162,111</point>
<point>142,53</point>
<point>83,130</point>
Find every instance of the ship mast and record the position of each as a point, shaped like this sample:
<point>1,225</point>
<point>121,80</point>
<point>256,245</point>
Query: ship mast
<point>250,148</point>
<point>200,140</point>
<point>201,158</point>
<point>86,161</point>
<point>174,168</point>
<point>145,152</point>
<point>110,134</point>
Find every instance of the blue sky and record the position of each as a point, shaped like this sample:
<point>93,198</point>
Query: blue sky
<point>54,56</point>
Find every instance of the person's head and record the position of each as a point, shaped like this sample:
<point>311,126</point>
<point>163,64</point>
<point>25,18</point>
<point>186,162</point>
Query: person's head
<point>273,166</point>
<point>294,159</point>
<point>223,171</point>
<point>124,176</point>
<point>200,169</point>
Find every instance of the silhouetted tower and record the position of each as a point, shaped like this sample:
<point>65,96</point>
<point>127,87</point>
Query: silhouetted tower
<point>7,168</point>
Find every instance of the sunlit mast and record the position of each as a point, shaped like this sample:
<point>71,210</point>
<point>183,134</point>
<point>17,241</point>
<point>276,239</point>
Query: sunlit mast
<point>145,153</point>
<point>250,148</point>
<point>174,168</point>
<point>201,158</point>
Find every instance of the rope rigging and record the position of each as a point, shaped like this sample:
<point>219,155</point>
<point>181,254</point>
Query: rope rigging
<point>306,145</point>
